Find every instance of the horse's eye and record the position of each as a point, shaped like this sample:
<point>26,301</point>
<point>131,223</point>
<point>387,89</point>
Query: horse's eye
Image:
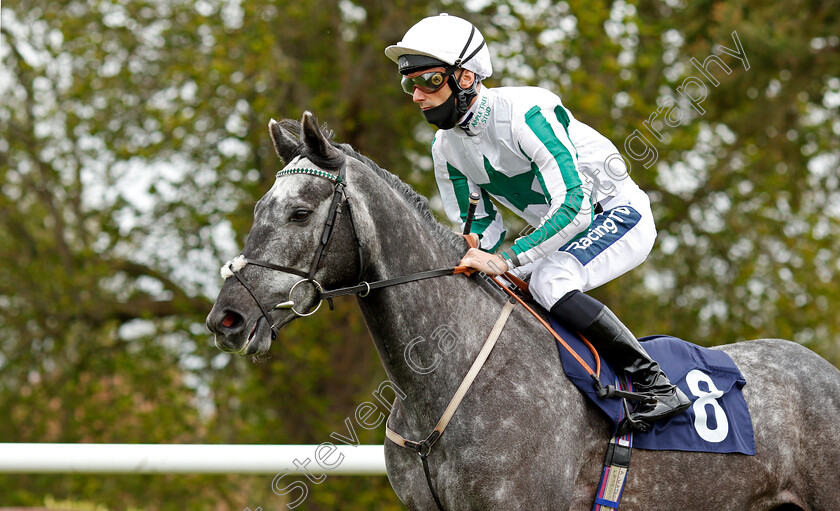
<point>300,215</point>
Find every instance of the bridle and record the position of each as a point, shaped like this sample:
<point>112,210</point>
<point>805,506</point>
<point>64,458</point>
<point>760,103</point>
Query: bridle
<point>340,198</point>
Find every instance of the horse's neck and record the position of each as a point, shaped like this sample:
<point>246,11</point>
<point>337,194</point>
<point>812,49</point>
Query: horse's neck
<point>427,333</point>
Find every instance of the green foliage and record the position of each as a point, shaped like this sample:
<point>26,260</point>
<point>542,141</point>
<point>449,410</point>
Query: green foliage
<point>743,193</point>
<point>134,147</point>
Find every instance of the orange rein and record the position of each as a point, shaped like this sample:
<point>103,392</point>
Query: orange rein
<point>524,286</point>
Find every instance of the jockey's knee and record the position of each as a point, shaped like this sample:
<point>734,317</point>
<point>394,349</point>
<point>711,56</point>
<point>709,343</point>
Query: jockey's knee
<point>555,277</point>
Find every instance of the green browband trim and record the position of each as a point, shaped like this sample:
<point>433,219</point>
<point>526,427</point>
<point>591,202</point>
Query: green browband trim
<point>314,172</point>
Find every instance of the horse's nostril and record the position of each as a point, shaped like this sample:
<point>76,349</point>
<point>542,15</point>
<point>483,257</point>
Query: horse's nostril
<point>232,321</point>
<point>225,322</point>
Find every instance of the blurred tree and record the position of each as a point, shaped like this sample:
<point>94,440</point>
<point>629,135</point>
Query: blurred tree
<point>744,183</point>
<point>134,147</point>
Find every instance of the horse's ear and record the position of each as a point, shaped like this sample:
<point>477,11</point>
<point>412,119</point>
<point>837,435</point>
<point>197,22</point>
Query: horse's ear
<point>316,142</point>
<point>286,145</point>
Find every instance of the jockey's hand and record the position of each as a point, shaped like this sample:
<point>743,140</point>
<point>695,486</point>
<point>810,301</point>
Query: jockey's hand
<point>490,264</point>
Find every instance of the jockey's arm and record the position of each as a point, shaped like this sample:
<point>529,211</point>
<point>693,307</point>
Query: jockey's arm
<point>455,188</point>
<point>487,226</point>
<point>544,139</point>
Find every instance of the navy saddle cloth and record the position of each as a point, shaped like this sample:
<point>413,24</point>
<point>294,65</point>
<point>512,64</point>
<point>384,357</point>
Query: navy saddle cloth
<point>718,419</point>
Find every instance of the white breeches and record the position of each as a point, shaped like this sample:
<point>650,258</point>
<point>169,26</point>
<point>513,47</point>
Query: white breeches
<point>619,239</point>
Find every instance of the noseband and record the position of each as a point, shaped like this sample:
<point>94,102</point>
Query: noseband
<point>340,198</point>
<point>233,268</point>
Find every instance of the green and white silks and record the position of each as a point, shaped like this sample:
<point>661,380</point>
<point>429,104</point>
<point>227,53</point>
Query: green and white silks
<point>522,147</point>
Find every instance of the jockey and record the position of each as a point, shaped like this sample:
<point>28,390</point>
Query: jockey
<point>522,147</point>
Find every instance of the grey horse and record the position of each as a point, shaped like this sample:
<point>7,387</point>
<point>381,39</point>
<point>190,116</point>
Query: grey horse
<point>523,438</point>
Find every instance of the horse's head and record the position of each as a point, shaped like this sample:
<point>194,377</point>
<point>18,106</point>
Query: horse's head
<point>302,239</point>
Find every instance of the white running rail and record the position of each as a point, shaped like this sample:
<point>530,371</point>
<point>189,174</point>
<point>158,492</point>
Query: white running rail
<point>191,459</point>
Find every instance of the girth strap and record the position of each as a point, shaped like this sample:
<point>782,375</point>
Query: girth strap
<point>614,473</point>
<point>616,463</point>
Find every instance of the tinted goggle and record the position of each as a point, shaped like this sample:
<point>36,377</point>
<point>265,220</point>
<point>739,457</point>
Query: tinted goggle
<point>428,83</point>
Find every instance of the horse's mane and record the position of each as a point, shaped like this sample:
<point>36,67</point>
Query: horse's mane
<point>417,201</point>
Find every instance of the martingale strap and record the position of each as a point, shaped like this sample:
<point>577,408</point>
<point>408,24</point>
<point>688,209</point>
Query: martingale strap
<point>466,383</point>
<point>594,374</point>
<point>424,447</point>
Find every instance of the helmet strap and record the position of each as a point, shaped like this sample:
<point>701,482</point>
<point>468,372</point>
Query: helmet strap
<point>464,96</point>
<point>446,115</point>
<point>461,60</point>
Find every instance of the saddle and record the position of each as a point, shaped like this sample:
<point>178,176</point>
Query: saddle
<point>618,453</point>
<point>718,420</point>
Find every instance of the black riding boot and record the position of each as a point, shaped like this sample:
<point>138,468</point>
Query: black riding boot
<point>598,324</point>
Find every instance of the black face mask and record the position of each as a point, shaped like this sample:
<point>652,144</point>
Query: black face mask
<point>445,115</point>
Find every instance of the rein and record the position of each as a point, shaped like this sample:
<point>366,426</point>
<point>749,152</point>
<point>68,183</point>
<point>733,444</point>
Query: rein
<point>340,198</point>
<point>424,447</point>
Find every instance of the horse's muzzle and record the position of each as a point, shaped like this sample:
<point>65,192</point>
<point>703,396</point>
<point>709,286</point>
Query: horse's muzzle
<point>228,327</point>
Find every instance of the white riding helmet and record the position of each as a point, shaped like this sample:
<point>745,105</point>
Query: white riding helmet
<point>448,39</point>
